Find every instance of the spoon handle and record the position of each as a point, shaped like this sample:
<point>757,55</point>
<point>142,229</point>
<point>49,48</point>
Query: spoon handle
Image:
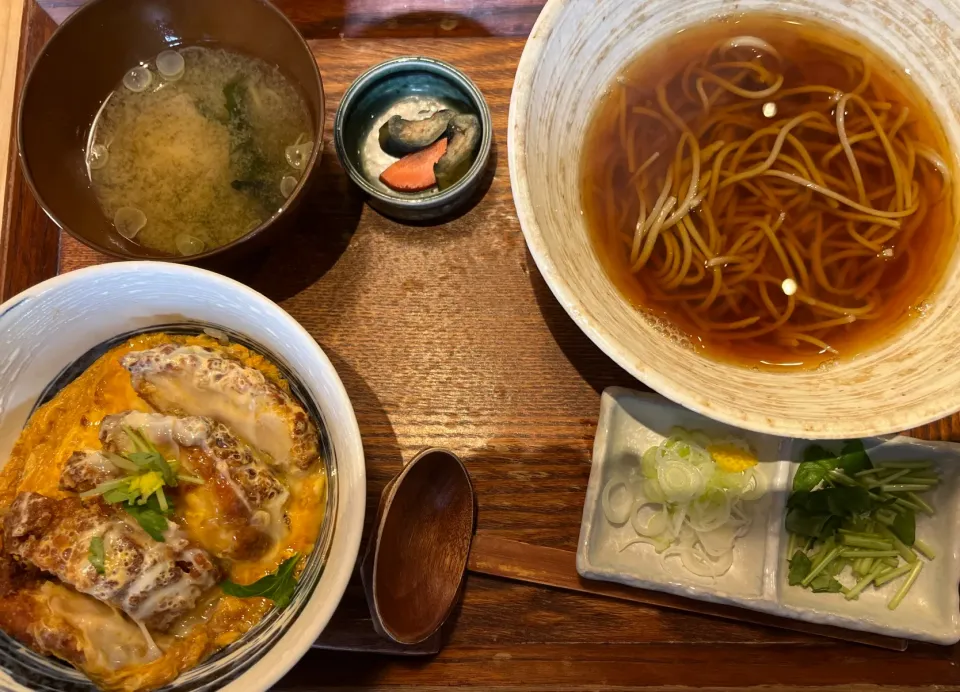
<point>508,559</point>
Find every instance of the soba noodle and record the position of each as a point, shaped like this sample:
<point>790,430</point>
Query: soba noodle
<point>757,198</point>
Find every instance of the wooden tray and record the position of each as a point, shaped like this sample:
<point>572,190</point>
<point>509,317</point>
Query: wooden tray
<point>448,336</point>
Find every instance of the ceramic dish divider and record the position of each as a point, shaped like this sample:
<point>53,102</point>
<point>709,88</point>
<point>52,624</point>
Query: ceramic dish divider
<point>630,422</point>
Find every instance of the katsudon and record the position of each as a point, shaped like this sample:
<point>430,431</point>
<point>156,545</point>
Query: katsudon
<point>157,508</point>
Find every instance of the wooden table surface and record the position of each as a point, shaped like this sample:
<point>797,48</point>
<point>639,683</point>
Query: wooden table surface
<point>447,336</point>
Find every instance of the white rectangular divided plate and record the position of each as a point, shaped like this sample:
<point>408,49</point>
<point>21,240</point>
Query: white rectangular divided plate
<point>630,422</point>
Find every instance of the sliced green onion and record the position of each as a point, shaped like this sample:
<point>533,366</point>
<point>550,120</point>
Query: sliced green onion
<point>905,587</point>
<point>162,500</point>
<point>924,549</point>
<point>863,583</point>
<point>868,472</point>
<point>679,480</point>
<point>189,479</point>
<point>139,444</point>
<point>121,462</point>
<point>890,561</point>
<point>659,545</point>
<point>902,487</point>
<point>104,487</point>
<point>656,524</point>
<point>606,501</point>
<point>648,463</point>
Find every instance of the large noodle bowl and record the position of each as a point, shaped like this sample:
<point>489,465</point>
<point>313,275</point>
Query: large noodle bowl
<point>772,189</point>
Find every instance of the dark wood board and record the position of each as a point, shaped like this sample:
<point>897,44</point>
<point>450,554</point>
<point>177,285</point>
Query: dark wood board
<point>448,336</point>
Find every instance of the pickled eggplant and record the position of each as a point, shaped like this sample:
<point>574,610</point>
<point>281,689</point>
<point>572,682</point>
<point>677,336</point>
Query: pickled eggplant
<point>463,137</point>
<point>399,136</point>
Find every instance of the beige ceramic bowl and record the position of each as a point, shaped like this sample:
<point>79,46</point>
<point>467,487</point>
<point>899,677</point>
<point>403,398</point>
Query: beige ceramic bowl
<point>576,48</point>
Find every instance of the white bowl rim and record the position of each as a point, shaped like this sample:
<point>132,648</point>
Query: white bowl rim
<point>516,125</point>
<point>596,332</point>
<point>299,637</point>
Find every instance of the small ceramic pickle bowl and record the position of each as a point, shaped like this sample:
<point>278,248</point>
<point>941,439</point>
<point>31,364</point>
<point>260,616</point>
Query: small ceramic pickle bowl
<point>415,88</point>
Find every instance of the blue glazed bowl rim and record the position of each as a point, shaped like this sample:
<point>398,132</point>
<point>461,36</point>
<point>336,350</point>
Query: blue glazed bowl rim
<point>409,63</point>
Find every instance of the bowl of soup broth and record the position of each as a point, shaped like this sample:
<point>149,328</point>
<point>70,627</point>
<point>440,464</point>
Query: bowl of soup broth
<point>757,216</point>
<point>172,129</point>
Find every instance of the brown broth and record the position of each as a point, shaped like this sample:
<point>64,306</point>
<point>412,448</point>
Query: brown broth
<point>812,53</point>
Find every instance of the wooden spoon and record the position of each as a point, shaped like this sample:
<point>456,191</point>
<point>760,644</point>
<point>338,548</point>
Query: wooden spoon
<point>414,566</point>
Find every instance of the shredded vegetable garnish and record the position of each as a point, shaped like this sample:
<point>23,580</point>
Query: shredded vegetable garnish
<point>688,498</point>
<point>140,491</point>
<point>851,521</point>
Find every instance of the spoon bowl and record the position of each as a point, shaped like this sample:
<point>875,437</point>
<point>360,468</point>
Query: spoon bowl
<point>415,562</point>
<point>63,95</point>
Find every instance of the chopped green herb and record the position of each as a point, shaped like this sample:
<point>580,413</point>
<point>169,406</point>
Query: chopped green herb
<point>148,458</point>
<point>867,579</point>
<point>892,573</point>
<point>140,492</point>
<point>95,554</point>
<point>818,462</point>
<point>278,587</point>
<point>904,527</point>
<point>846,512</point>
<point>121,494</point>
<point>853,458</point>
<point>924,549</point>
<point>824,583</point>
<point>246,159</point>
<point>150,516</point>
<point>799,568</point>
<point>905,587</point>
<point>819,514</point>
<point>821,564</point>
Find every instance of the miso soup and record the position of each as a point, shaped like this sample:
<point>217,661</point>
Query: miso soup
<point>196,148</point>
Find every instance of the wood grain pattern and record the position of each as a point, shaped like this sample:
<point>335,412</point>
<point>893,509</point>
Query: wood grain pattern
<point>556,568</point>
<point>447,336</point>
<point>11,22</point>
<point>389,18</point>
<point>29,241</point>
<point>418,548</point>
